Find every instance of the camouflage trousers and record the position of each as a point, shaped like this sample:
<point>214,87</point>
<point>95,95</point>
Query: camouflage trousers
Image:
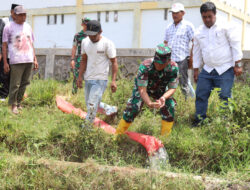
<point>135,104</point>
<point>75,77</point>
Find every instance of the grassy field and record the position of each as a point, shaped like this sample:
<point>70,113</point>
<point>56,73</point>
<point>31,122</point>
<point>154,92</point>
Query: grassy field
<point>220,148</point>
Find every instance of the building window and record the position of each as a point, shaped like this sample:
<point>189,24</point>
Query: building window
<point>99,16</point>
<point>55,19</point>
<point>165,14</point>
<point>62,19</point>
<point>107,16</point>
<point>115,16</point>
<point>51,19</point>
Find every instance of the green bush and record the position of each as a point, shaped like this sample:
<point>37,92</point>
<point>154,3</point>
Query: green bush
<point>41,92</point>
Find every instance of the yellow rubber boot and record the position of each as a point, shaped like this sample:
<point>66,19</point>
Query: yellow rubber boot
<point>166,128</point>
<point>122,127</point>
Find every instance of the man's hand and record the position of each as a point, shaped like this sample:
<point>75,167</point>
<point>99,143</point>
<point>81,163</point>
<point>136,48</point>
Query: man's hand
<point>6,68</point>
<point>72,64</point>
<point>156,105</point>
<point>1,56</point>
<point>35,65</point>
<point>161,101</point>
<point>238,71</point>
<point>79,82</point>
<point>113,86</point>
<point>190,62</point>
<point>196,73</point>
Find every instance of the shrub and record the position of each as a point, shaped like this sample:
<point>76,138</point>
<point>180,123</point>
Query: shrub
<point>42,92</point>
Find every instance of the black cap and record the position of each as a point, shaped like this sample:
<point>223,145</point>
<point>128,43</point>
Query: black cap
<point>93,27</point>
<point>13,6</point>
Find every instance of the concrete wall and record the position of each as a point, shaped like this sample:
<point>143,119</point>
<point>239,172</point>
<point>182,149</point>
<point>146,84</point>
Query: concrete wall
<point>59,35</point>
<point>55,63</point>
<point>34,4</point>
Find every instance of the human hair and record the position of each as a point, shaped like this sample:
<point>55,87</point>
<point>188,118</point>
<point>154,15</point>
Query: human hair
<point>208,6</point>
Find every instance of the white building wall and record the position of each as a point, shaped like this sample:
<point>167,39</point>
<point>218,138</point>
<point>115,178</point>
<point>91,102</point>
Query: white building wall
<point>238,25</point>
<point>247,38</point>
<point>154,25</point>
<point>248,7</point>
<point>54,35</point>
<point>221,16</point>
<point>33,4</point>
<point>111,1</point>
<point>238,4</point>
<point>193,15</point>
<point>120,32</point>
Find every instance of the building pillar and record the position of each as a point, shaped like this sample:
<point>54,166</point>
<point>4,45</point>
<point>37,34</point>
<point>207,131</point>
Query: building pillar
<point>79,8</point>
<point>229,17</point>
<point>244,26</point>
<point>30,21</point>
<point>50,62</point>
<point>137,27</point>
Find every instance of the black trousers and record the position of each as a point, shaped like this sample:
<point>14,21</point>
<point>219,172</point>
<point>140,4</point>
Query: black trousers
<point>4,81</point>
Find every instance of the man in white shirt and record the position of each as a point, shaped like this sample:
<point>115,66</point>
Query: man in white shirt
<point>97,53</point>
<point>178,35</point>
<point>218,46</point>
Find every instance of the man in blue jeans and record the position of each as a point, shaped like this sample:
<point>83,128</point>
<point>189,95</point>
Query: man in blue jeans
<point>97,53</point>
<point>218,46</point>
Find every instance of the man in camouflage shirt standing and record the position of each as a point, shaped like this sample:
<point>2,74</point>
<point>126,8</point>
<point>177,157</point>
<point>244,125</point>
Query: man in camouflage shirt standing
<point>76,53</point>
<point>157,78</point>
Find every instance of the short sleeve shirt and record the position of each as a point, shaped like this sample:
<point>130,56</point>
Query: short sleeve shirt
<point>99,55</point>
<point>157,82</point>
<point>19,38</point>
<point>178,38</point>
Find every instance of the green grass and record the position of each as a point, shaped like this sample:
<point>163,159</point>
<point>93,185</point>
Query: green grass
<point>219,148</point>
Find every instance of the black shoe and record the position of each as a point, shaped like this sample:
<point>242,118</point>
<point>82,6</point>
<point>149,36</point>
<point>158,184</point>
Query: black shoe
<point>196,123</point>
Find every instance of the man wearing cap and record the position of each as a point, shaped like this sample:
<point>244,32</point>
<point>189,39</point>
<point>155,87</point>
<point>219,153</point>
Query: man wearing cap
<point>4,77</point>
<point>178,35</point>
<point>76,53</point>
<point>157,78</point>
<point>97,53</point>
<point>218,47</point>
<point>18,40</point>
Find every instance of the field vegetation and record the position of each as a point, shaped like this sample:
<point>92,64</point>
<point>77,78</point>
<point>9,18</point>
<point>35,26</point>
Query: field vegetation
<point>220,148</point>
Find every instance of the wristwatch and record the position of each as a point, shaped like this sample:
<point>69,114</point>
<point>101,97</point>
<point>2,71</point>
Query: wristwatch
<point>239,64</point>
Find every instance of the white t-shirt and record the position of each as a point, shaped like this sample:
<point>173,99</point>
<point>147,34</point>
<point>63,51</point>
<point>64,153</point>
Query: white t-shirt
<point>99,55</point>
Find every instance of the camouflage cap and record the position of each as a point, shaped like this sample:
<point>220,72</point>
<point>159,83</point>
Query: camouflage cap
<point>162,53</point>
<point>85,20</point>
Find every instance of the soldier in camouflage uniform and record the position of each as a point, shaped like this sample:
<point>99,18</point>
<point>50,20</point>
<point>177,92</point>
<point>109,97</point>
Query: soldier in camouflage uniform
<point>76,53</point>
<point>157,78</point>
